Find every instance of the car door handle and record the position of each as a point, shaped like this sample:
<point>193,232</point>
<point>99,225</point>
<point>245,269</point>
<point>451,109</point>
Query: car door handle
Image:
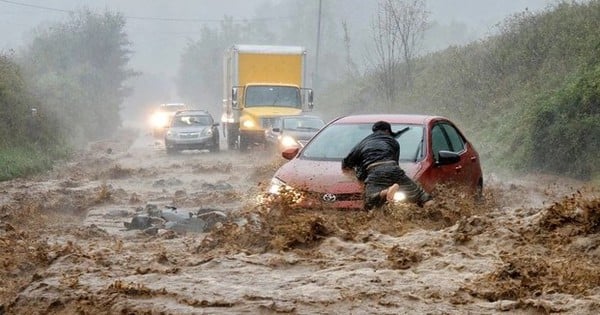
<point>458,168</point>
<point>473,158</point>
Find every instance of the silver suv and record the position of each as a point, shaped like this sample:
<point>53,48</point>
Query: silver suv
<point>192,130</point>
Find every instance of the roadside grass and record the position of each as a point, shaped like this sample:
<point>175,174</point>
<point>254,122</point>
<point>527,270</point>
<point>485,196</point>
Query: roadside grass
<point>27,160</point>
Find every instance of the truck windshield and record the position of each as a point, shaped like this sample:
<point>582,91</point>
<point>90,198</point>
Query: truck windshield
<point>284,96</point>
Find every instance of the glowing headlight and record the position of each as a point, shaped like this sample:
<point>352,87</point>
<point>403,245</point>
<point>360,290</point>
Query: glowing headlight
<point>159,119</point>
<point>281,189</point>
<point>276,185</point>
<point>399,196</point>
<point>248,124</point>
<point>287,141</point>
<point>171,134</point>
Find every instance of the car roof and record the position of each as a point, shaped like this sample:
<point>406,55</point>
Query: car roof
<point>193,111</point>
<point>391,118</point>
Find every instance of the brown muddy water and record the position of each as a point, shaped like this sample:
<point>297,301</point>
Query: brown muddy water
<point>533,246</point>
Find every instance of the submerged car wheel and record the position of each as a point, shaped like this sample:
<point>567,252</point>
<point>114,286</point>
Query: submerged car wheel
<point>215,147</point>
<point>479,198</point>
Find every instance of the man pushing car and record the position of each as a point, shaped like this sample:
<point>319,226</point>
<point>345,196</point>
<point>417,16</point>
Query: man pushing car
<point>375,161</point>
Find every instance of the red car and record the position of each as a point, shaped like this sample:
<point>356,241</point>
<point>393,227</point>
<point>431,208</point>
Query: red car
<point>432,151</point>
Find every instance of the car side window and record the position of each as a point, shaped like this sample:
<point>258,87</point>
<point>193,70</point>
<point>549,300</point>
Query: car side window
<point>438,141</point>
<point>456,140</point>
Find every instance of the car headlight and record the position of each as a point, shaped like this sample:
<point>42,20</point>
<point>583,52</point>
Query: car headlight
<point>207,132</point>
<point>287,141</point>
<point>249,123</point>
<point>287,192</point>
<point>399,196</point>
<point>171,134</point>
<point>276,185</point>
<point>160,119</point>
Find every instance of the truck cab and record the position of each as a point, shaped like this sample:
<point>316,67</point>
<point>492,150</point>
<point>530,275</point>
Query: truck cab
<point>262,83</point>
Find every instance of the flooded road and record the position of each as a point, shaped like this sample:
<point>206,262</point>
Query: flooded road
<point>69,246</point>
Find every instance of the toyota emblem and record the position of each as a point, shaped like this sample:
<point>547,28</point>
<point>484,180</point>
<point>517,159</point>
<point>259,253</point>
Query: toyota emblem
<point>329,197</point>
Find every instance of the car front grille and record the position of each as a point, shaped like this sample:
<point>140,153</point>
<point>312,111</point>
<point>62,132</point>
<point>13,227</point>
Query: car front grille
<point>328,197</point>
<point>190,135</point>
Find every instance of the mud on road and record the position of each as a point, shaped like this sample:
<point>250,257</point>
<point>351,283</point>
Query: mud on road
<point>532,246</point>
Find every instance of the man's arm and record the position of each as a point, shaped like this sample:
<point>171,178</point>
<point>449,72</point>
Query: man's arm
<point>352,159</point>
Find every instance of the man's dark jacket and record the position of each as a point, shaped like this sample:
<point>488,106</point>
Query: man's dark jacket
<point>376,147</point>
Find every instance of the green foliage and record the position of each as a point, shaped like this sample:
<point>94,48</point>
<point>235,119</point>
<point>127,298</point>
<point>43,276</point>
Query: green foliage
<point>28,143</point>
<point>72,73</point>
<point>19,161</point>
<point>18,125</point>
<point>78,68</point>
<point>527,97</point>
<point>13,102</point>
<point>566,130</point>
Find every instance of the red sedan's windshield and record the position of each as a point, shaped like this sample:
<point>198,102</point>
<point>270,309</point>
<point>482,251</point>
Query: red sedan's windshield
<point>335,141</point>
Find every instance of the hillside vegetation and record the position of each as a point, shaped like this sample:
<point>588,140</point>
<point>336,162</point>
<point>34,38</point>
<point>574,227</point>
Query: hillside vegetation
<point>63,90</point>
<point>29,141</point>
<point>529,98</point>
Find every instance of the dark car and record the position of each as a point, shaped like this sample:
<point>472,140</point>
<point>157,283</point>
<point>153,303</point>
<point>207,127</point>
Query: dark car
<point>432,151</point>
<point>192,130</point>
<point>293,131</point>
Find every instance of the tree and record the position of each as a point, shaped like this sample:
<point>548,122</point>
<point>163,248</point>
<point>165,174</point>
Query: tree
<point>351,67</point>
<point>79,68</point>
<point>410,18</point>
<point>22,123</point>
<point>385,39</point>
<point>397,29</point>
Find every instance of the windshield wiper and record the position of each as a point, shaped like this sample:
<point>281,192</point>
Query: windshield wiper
<point>400,132</point>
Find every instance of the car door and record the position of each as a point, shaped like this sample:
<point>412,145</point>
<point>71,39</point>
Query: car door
<point>445,137</point>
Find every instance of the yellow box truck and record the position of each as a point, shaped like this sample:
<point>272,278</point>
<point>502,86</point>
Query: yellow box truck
<point>261,83</point>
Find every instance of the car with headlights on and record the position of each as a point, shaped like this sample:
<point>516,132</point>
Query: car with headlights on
<point>433,151</point>
<point>192,130</point>
<point>293,131</point>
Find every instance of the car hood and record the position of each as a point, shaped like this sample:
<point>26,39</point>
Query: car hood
<point>325,176</point>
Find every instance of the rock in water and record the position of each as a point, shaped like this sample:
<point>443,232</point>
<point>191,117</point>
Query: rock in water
<point>139,222</point>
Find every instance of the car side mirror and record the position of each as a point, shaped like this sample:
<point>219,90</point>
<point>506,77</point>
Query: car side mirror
<point>234,97</point>
<point>216,124</point>
<point>447,157</point>
<point>276,129</point>
<point>290,153</point>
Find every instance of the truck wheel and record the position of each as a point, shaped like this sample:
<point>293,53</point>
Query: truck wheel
<point>232,139</point>
<point>243,142</point>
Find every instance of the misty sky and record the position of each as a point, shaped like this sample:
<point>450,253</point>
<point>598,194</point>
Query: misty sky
<point>160,29</point>
<point>157,44</point>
